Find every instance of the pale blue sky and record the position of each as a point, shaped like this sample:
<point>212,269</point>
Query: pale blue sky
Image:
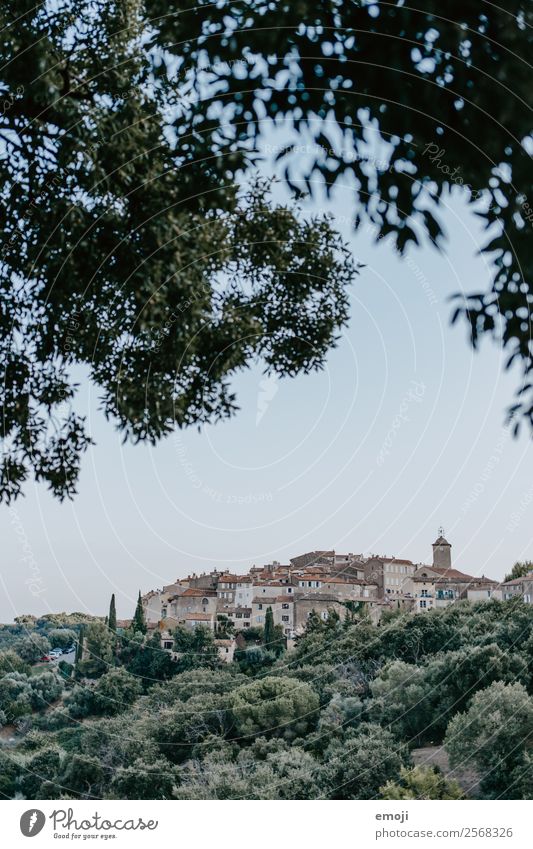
<point>402,432</point>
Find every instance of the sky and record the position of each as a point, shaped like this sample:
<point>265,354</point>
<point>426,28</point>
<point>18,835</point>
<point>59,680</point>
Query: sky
<point>401,433</point>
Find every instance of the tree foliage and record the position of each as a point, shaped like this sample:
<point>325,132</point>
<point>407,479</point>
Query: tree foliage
<point>62,638</point>
<point>337,718</point>
<point>277,707</point>
<point>421,783</point>
<point>409,104</point>
<point>139,620</point>
<point>32,647</point>
<point>97,650</point>
<point>112,618</point>
<point>128,249</point>
<point>495,734</point>
<point>195,648</point>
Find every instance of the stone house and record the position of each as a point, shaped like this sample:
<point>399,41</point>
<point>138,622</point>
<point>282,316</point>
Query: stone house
<point>244,591</point>
<point>521,587</point>
<point>194,600</point>
<point>259,609</point>
<point>483,591</point>
<point>437,587</point>
<point>226,649</point>
<point>391,575</point>
<point>240,617</point>
<point>195,620</point>
<point>322,604</point>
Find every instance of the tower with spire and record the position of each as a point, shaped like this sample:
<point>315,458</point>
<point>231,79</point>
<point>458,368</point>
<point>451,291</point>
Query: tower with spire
<point>442,551</point>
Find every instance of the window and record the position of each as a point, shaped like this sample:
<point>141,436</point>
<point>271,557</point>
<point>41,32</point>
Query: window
<point>284,618</point>
<point>259,606</point>
<point>424,593</point>
<point>205,601</point>
<point>527,599</point>
<point>259,618</point>
<point>289,589</point>
<point>285,606</point>
<point>423,604</point>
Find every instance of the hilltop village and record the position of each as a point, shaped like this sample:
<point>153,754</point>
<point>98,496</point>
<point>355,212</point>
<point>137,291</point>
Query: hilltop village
<point>319,581</point>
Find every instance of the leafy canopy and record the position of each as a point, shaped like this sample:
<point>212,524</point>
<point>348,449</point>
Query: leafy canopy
<point>128,250</point>
<point>407,102</point>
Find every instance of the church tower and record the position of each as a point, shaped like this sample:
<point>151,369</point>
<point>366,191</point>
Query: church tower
<point>442,552</point>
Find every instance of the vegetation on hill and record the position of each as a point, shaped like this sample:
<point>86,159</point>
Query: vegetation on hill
<point>338,717</point>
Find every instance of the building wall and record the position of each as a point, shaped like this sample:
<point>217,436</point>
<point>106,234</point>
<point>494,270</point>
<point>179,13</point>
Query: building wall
<point>244,594</point>
<point>284,616</point>
<point>259,609</point>
<point>424,594</point>
<point>226,650</point>
<point>374,574</point>
<point>194,604</point>
<point>322,606</point>
<point>442,555</point>
<point>479,594</point>
<point>524,589</point>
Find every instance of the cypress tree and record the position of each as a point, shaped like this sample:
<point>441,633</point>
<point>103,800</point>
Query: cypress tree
<point>112,618</point>
<point>139,622</point>
<point>79,645</point>
<point>269,633</point>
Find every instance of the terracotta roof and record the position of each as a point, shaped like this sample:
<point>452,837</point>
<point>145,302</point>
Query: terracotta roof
<point>335,580</point>
<point>453,574</point>
<point>232,579</point>
<point>269,583</point>
<point>395,560</point>
<point>203,617</point>
<point>285,598</point>
<point>319,599</point>
<point>223,642</point>
<point>441,573</point>
<point>198,592</point>
<point>246,611</point>
<point>262,599</point>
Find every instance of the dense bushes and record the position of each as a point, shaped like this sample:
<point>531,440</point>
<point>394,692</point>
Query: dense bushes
<point>21,694</point>
<point>495,735</point>
<point>278,707</point>
<point>336,718</point>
